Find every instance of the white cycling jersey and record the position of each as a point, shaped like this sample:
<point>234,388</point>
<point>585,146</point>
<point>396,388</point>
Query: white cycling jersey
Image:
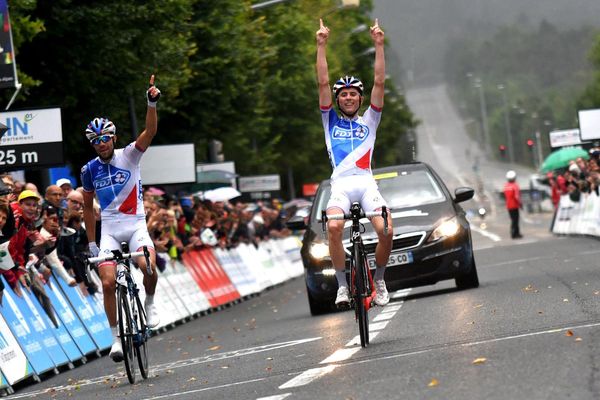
<point>350,142</point>
<point>117,183</point>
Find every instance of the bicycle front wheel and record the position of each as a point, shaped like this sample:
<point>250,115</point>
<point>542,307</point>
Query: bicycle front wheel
<point>362,312</point>
<point>126,331</point>
<point>141,348</point>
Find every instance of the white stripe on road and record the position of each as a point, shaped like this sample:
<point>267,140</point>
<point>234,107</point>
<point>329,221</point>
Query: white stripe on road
<point>276,397</point>
<point>308,376</point>
<point>377,326</point>
<point>341,354</point>
<point>394,308</point>
<point>171,395</point>
<point>487,234</point>
<point>401,293</point>
<point>384,316</point>
<point>356,340</point>
<point>345,353</point>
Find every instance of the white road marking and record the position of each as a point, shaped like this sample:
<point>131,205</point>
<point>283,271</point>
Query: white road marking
<point>447,346</point>
<point>351,348</point>
<point>377,326</point>
<point>170,366</point>
<point>308,376</point>
<point>531,334</point>
<point>393,308</point>
<point>276,397</point>
<point>356,340</point>
<point>384,316</point>
<point>171,395</point>
<point>487,234</point>
<point>341,355</point>
<point>401,293</point>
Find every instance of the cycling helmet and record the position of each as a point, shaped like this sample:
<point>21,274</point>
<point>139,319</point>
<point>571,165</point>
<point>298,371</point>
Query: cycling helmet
<point>347,82</point>
<point>98,127</point>
<point>511,175</point>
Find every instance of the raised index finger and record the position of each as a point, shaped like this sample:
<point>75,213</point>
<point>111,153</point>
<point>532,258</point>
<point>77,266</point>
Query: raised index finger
<point>152,80</point>
<point>321,22</point>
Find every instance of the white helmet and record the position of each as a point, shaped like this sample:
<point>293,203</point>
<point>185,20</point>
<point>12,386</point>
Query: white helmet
<point>511,175</point>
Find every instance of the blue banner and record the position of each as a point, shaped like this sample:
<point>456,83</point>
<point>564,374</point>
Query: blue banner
<point>45,328</point>
<point>95,324</point>
<point>69,318</point>
<point>61,332</point>
<point>16,312</point>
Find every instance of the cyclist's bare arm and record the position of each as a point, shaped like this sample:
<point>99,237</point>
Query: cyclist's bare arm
<point>89,218</point>
<point>379,80</point>
<point>322,70</point>
<point>145,138</point>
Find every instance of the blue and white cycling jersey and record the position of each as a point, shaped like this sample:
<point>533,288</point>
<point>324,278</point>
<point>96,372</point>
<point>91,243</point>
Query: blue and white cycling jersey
<point>350,142</point>
<point>117,183</point>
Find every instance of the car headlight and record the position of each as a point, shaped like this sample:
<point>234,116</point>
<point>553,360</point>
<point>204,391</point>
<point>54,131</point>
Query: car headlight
<point>319,251</point>
<point>447,228</point>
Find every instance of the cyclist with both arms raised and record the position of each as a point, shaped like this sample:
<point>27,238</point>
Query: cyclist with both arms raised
<point>350,139</point>
<point>115,177</point>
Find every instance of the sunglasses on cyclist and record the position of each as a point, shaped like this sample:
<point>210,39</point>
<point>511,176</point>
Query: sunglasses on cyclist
<point>101,139</point>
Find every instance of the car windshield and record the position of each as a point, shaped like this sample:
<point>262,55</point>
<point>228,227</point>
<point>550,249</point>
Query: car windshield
<point>399,189</point>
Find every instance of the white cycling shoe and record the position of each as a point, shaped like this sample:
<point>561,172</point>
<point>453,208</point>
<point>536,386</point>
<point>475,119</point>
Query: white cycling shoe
<point>152,318</point>
<point>381,294</point>
<point>116,351</point>
<point>343,296</point>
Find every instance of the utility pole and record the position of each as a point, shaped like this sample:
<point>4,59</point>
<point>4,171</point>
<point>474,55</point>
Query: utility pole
<point>484,120</point>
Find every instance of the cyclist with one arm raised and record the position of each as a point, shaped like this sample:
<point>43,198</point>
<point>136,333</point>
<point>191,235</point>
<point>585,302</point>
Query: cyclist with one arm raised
<point>350,139</point>
<point>114,175</point>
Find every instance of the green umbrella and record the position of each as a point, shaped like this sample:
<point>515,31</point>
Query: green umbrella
<point>560,158</point>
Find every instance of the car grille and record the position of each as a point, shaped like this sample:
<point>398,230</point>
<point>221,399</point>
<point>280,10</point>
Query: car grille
<point>405,241</point>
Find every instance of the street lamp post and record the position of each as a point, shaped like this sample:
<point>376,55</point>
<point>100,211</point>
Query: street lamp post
<point>484,121</point>
<point>511,155</point>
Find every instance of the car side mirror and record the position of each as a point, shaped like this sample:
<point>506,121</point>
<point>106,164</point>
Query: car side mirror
<point>463,194</point>
<point>297,222</point>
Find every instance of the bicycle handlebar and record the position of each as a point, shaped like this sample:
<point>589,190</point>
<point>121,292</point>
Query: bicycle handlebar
<point>368,214</point>
<point>116,255</point>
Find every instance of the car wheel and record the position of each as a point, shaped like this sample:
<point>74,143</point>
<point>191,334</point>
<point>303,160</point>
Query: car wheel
<point>470,279</point>
<point>316,307</point>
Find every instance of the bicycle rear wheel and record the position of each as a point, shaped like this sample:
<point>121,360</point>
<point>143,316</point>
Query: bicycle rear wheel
<point>141,348</point>
<point>126,332</point>
<point>362,312</point>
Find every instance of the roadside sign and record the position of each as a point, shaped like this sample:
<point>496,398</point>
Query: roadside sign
<point>567,137</point>
<point>33,139</point>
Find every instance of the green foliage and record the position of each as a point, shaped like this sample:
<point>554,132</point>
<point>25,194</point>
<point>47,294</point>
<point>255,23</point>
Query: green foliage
<point>245,77</point>
<point>542,69</point>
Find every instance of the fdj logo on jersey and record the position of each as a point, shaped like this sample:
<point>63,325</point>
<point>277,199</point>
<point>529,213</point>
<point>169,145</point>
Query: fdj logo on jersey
<point>119,178</point>
<point>358,132</point>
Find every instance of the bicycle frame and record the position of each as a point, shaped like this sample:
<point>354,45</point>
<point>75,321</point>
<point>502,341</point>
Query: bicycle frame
<point>361,282</point>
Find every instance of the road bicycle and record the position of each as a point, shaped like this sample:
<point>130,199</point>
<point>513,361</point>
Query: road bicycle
<point>362,289</point>
<point>133,330</point>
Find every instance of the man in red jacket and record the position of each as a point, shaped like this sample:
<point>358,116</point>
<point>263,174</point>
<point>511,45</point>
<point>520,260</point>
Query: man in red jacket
<point>512,195</point>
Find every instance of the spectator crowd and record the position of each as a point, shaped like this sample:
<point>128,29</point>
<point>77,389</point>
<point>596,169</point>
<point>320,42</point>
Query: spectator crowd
<point>580,177</point>
<point>45,233</point>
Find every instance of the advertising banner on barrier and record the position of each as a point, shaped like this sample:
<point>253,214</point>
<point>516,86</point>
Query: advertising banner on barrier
<point>94,324</point>
<point>45,328</point>
<point>62,334</point>
<point>249,256</point>
<point>13,363</point>
<point>189,263</point>
<point>194,298</point>
<point>223,283</point>
<point>16,313</point>
<point>69,318</point>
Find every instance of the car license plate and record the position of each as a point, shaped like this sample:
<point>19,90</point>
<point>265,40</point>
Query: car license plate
<point>395,259</point>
